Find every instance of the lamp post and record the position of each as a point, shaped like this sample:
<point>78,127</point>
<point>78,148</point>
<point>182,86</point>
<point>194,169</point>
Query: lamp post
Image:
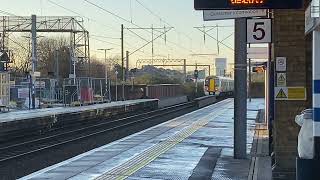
<point>107,92</point>
<point>116,85</point>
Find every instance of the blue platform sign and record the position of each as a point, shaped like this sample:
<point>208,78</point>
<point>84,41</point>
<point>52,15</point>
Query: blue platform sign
<point>247,4</point>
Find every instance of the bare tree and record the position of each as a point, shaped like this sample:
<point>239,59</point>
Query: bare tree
<point>47,47</point>
<point>97,68</point>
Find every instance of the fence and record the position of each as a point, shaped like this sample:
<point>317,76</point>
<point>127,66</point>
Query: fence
<point>53,92</point>
<point>81,91</point>
<point>4,89</point>
<point>84,90</point>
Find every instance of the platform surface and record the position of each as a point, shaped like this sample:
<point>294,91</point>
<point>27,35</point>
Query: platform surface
<point>28,114</point>
<point>198,145</point>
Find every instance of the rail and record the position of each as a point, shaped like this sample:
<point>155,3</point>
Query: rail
<point>19,150</point>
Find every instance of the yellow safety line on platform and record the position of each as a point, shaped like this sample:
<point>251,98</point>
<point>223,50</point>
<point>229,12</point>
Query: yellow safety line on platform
<point>131,166</point>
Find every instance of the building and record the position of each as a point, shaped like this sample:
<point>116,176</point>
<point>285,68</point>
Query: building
<point>220,66</point>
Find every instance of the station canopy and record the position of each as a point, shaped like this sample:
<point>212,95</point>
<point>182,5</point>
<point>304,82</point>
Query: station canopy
<point>247,4</point>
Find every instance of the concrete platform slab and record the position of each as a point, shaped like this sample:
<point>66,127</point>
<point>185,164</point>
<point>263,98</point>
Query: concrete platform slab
<point>198,145</point>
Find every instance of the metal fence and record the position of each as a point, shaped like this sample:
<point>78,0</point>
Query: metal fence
<point>84,91</point>
<point>55,93</point>
<point>80,91</point>
<point>4,89</point>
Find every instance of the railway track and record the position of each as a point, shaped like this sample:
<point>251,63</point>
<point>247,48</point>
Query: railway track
<point>39,144</point>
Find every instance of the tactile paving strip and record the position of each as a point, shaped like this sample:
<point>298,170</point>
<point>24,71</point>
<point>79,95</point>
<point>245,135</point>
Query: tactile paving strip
<point>137,162</point>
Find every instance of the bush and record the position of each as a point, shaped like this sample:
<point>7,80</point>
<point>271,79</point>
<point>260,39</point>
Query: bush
<point>190,90</point>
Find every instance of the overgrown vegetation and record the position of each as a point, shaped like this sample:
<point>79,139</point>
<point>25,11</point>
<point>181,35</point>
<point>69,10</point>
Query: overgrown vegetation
<point>190,90</point>
<point>156,79</point>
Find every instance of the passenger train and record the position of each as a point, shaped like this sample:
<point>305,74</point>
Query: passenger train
<point>219,86</point>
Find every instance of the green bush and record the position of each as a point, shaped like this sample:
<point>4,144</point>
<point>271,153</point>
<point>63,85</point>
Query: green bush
<point>190,90</point>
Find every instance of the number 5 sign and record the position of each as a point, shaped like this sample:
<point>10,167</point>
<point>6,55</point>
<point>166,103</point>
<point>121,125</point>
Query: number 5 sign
<point>258,31</point>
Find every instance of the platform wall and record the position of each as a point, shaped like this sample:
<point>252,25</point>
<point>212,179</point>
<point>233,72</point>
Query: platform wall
<point>290,42</point>
<point>158,91</point>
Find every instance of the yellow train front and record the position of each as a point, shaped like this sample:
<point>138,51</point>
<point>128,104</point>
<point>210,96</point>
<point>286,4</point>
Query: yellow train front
<point>219,86</point>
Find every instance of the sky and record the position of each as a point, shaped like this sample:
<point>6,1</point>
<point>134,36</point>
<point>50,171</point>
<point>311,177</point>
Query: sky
<point>182,41</point>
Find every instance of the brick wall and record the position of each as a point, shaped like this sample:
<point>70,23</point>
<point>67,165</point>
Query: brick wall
<point>289,41</point>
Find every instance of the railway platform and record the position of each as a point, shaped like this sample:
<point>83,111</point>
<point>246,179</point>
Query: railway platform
<point>13,123</point>
<point>197,145</point>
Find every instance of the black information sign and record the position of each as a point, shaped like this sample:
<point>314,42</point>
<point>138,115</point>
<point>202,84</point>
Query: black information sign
<point>247,4</point>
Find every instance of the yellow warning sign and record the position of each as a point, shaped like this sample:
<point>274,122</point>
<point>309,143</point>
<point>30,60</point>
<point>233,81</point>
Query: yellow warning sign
<point>290,93</point>
<point>297,93</point>
<point>281,94</point>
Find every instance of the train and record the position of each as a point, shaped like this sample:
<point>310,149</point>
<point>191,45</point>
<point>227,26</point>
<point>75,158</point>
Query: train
<point>219,86</point>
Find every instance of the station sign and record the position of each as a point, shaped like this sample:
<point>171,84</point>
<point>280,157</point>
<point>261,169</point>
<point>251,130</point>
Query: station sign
<point>247,4</point>
<point>290,93</point>
<point>210,15</point>
<point>259,31</point>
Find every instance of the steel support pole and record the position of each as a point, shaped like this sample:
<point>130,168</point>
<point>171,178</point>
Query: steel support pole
<point>34,58</point>
<point>316,92</point>
<point>109,86</point>
<point>152,45</point>
<point>116,87</point>
<point>106,73</point>
<point>56,57</point>
<point>127,65</point>
<point>196,87</point>
<point>196,82</point>
<point>122,63</point>
<point>89,59</point>
<point>185,70</point>
<point>240,101</point>
<point>250,78</point>
<point>271,97</point>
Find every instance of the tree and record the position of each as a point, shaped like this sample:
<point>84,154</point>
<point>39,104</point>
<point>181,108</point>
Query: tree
<point>47,48</point>
<point>21,56</point>
<point>156,79</point>
<point>45,56</point>
<point>97,68</point>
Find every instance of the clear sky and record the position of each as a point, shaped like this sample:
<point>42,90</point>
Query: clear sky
<point>183,40</point>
